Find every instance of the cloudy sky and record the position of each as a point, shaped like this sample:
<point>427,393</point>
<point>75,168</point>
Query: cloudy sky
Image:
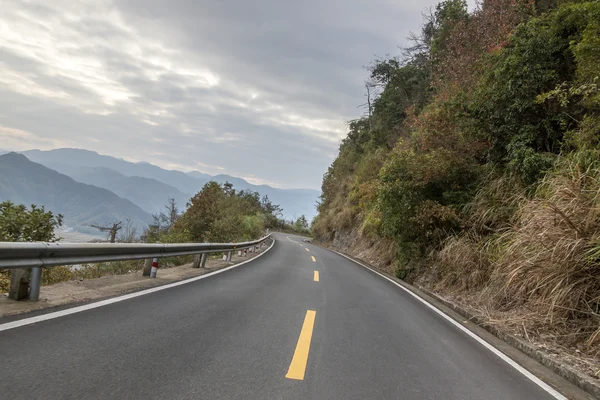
<point>259,89</point>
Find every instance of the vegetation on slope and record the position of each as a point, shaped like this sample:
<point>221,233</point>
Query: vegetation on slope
<point>479,161</point>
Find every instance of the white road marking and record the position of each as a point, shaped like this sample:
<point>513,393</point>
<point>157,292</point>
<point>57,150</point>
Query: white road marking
<point>74,310</point>
<point>298,243</point>
<point>485,344</point>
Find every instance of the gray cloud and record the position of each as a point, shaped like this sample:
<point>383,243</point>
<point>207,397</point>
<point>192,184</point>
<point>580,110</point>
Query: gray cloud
<point>259,89</point>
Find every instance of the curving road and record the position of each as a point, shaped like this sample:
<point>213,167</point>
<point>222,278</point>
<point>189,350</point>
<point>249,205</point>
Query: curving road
<point>270,329</point>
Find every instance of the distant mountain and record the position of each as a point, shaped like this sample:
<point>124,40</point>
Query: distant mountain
<point>149,194</point>
<point>78,164</point>
<point>86,158</point>
<point>295,202</point>
<point>26,182</point>
<point>199,175</point>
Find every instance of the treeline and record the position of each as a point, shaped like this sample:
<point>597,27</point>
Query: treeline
<point>218,213</point>
<point>478,161</point>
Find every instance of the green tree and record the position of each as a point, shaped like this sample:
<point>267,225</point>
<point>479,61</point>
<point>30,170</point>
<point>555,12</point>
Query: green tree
<point>301,224</point>
<point>20,224</point>
<point>219,213</point>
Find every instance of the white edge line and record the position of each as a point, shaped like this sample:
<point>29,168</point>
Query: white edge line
<point>74,310</point>
<point>485,344</point>
<point>298,243</point>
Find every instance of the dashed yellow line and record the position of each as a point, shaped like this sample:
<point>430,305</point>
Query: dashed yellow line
<point>313,258</point>
<point>316,277</point>
<point>307,249</point>
<point>300,359</point>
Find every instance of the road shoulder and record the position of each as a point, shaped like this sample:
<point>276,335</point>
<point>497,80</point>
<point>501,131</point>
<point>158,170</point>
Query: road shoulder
<point>564,385</point>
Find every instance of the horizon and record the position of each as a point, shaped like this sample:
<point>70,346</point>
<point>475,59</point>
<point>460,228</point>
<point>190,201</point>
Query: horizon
<point>4,151</point>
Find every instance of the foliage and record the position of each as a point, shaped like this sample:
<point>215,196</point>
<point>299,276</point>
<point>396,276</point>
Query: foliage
<point>480,158</point>
<point>219,213</point>
<point>301,224</point>
<point>161,228</point>
<point>19,224</point>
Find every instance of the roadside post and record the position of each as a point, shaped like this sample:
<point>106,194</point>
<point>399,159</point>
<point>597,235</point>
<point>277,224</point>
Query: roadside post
<point>147,267</point>
<point>154,269</point>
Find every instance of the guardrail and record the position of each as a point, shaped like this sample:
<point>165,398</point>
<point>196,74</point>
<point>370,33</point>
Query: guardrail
<point>40,255</point>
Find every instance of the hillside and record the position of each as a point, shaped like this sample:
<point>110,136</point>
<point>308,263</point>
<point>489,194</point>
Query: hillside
<point>199,175</point>
<point>26,182</point>
<point>476,172</point>
<point>147,193</point>
<point>90,167</point>
<point>86,158</point>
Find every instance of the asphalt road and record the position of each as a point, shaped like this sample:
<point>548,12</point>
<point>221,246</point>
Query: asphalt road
<point>237,334</point>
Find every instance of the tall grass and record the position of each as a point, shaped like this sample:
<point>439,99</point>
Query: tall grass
<point>550,257</point>
<point>540,258</point>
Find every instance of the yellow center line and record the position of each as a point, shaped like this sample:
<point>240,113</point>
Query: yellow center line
<point>300,359</point>
<point>316,277</point>
<point>307,249</point>
<point>313,258</point>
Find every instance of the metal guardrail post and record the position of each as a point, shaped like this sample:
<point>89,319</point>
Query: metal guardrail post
<point>203,260</point>
<point>35,283</point>
<point>229,256</point>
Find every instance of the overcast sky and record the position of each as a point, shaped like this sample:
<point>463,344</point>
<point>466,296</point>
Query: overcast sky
<point>259,89</point>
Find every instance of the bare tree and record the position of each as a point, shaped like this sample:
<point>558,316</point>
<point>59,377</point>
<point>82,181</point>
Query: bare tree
<point>128,234</point>
<point>111,230</point>
<point>370,95</point>
<point>172,212</point>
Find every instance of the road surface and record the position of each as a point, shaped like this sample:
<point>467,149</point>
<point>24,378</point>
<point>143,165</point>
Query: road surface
<point>300,322</point>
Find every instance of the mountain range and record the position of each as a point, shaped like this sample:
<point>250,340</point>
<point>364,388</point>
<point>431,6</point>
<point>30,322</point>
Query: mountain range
<point>26,182</point>
<point>144,186</point>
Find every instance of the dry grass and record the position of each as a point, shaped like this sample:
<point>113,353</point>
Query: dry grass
<point>550,257</point>
<point>4,280</point>
<point>532,263</point>
<point>63,273</point>
<point>462,263</point>
<point>495,204</point>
